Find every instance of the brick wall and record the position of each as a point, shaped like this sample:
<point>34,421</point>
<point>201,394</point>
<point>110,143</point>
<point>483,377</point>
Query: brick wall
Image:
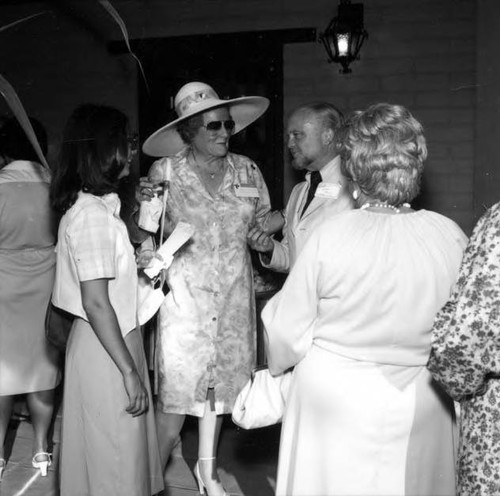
<point>419,54</point>
<point>487,163</point>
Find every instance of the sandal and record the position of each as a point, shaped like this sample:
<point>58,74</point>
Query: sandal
<point>2,467</point>
<point>43,465</point>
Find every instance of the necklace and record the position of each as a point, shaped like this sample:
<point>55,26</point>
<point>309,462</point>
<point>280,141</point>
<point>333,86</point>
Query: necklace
<point>205,171</point>
<point>380,205</point>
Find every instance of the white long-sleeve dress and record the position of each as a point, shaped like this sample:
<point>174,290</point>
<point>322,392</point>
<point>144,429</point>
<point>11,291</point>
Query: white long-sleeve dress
<point>354,317</point>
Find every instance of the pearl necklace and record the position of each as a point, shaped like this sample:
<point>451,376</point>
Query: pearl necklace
<point>381,205</point>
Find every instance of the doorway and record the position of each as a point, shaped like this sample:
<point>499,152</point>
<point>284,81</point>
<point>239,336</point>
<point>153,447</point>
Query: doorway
<point>234,64</point>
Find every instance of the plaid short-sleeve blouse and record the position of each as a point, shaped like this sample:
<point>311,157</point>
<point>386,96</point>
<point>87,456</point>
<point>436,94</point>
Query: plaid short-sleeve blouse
<point>93,244</point>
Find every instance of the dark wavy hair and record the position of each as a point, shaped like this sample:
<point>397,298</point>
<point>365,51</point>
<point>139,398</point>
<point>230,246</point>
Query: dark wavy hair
<point>14,142</point>
<point>93,154</point>
<point>188,128</point>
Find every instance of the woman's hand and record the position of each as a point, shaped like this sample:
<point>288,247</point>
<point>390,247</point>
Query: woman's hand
<point>260,241</point>
<point>162,277</point>
<point>137,394</point>
<point>143,258</point>
<point>102,318</point>
<point>145,190</point>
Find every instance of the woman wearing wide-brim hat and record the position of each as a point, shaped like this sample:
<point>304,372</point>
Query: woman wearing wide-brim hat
<point>206,344</point>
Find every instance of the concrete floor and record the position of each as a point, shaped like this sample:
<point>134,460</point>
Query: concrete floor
<point>247,462</point>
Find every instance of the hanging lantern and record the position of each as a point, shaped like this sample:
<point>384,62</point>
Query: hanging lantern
<point>345,35</point>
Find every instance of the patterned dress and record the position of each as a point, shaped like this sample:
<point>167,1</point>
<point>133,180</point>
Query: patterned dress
<point>207,327</point>
<point>465,358</point>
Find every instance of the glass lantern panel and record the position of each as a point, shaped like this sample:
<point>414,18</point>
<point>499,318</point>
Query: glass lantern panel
<point>343,44</point>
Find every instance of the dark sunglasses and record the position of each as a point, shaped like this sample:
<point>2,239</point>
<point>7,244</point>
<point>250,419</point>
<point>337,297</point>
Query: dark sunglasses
<point>229,125</point>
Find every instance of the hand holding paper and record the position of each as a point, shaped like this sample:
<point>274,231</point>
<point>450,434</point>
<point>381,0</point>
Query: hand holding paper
<point>165,254</point>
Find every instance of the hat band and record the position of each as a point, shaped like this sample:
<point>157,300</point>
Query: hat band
<point>193,99</point>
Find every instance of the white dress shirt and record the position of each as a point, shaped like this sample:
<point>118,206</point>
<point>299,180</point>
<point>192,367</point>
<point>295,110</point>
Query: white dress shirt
<point>330,199</point>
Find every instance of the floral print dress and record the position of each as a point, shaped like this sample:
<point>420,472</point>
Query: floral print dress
<point>465,358</point>
<point>207,323</point>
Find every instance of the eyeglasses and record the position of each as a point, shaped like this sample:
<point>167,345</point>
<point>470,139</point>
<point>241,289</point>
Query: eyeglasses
<point>229,125</point>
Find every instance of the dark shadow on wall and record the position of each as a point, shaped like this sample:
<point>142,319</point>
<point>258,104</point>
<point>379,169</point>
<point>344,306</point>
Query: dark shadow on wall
<point>235,64</point>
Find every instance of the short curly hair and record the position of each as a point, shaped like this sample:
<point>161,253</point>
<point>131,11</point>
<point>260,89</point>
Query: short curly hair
<point>188,128</point>
<point>383,150</point>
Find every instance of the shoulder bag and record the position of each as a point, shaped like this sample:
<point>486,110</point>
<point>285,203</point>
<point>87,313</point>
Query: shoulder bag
<point>58,324</point>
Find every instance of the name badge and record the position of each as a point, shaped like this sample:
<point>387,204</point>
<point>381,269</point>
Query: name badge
<point>246,191</point>
<point>328,190</point>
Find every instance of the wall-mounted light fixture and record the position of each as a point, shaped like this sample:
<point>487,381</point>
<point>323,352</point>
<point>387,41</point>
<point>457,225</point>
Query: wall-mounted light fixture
<point>345,34</point>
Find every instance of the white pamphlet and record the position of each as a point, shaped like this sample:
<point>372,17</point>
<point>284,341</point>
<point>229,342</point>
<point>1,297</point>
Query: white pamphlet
<point>165,254</point>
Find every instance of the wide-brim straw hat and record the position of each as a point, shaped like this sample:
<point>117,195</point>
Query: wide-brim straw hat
<point>195,98</point>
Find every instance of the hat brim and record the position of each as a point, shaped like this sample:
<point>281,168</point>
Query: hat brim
<point>166,141</point>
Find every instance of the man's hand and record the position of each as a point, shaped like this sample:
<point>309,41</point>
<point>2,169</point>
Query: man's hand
<point>275,222</point>
<point>258,240</point>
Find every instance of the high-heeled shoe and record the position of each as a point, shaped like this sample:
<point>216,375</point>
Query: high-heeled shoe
<point>2,467</point>
<point>43,465</point>
<point>201,484</point>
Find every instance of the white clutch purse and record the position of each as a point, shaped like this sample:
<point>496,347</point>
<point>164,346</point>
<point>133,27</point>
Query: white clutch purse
<point>262,401</point>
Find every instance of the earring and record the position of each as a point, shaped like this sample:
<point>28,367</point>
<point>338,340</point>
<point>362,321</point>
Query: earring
<point>355,194</point>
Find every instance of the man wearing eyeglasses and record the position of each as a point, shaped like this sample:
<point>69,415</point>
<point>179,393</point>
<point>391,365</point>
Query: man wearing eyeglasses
<point>312,140</point>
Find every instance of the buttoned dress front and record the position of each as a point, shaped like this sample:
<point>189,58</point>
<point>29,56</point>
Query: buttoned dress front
<point>207,323</point>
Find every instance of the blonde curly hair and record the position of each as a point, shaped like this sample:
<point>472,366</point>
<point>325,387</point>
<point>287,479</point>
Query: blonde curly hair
<point>383,150</point>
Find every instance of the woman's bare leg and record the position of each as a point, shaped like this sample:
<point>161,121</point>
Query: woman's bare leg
<point>41,407</point>
<point>209,430</point>
<point>6,403</point>
<point>168,426</point>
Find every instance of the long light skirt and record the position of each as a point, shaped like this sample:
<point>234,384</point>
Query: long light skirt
<point>353,428</point>
<point>104,450</point>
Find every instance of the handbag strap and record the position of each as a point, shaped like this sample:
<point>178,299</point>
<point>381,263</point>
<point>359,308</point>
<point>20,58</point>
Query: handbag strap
<point>167,170</point>
<point>256,369</point>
